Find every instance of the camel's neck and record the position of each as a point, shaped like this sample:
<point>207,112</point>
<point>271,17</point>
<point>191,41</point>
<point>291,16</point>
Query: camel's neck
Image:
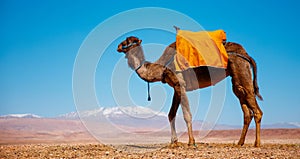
<point>135,57</point>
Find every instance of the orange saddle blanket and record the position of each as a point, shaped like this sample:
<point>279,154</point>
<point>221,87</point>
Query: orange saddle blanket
<point>201,48</point>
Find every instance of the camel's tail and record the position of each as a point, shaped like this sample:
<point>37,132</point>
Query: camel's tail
<point>256,89</point>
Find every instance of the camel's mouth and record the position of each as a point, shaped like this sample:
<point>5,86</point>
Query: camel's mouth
<point>120,48</point>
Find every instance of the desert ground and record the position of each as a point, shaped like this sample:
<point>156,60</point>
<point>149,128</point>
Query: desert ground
<point>203,150</point>
<point>68,139</point>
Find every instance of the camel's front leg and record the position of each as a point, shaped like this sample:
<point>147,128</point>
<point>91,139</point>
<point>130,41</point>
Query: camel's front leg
<point>180,97</point>
<point>174,138</point>
<point>171,78</point>
<point>187,115</point>
<point>173,111</point>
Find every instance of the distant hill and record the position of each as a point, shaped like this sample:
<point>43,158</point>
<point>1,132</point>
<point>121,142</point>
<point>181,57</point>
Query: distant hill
<point>286,125</point>
<point>118,124</point>
<point>20,116</point>
<point>115,112</point>
<point>137,117</point>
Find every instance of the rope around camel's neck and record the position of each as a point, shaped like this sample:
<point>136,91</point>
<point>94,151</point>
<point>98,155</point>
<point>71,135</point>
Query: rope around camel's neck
<point>135,61</point>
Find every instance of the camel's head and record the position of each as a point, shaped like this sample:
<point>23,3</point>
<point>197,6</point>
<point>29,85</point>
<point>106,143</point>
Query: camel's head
<point>129,43</point>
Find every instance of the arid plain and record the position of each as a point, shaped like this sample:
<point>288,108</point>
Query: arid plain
<point>60,138</point>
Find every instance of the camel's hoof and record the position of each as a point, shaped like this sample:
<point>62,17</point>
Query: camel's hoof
<point>237,145</point>
<point>257,143</point>
<point>192,142</point>
<point>192,145</point>
<point>176,144</point>
<point>240,144</point>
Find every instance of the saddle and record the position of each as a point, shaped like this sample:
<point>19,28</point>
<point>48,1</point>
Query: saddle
<point>201,56</point>
<point>201,48</point>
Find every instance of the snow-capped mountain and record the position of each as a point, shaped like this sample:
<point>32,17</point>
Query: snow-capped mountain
<point>297,124</point>
<point>20,116</point>
<point>140,116</point>
<point>116,112</point>
<point>140,112</point>
<point>131,117</point>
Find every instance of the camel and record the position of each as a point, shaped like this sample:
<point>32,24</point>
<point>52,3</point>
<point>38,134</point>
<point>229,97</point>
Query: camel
<point>239,68</point>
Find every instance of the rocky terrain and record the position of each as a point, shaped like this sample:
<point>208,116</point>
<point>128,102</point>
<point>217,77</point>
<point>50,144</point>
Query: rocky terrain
<point>276,143</point>
<point>202,150</point>
<point>35,137</point>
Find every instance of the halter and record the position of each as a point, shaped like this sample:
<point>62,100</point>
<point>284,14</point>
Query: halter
<point>129,45</point>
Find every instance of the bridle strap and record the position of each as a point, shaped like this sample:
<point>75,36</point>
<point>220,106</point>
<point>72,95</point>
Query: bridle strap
<point>129,45</point>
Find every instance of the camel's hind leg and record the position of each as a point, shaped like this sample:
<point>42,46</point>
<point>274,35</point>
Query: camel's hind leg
<point>248,115</point>
<point>250,108</point>
<point>252,104</point>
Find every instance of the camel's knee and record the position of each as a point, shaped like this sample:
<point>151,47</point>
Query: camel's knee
<point>248,115</point>
<point>258,116</point>
<point>247,118</point>
<point>187,117</point>
<point>251,116</point>
<point>254,107</point>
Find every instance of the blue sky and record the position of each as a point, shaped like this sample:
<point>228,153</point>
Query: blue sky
<point>40,41</point>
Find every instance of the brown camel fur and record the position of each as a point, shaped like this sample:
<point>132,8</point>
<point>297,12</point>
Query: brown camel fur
<point>239,68</point>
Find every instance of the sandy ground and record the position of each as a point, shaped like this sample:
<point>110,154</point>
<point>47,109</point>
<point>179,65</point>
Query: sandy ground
<point>202,150</point>
<point>68,139</point>
<point>276,143</point>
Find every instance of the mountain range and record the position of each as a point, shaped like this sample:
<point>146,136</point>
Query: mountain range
<point>20,116</point>
<point>115,112</point>
<point>136,116</point>
<point>117,125</point>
